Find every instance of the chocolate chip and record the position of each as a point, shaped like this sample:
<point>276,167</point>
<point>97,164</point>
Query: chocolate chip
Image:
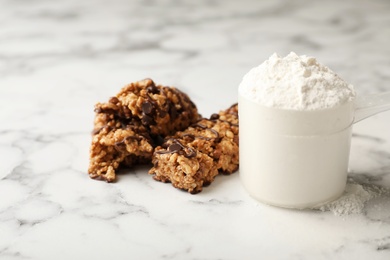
<point>193,192</point>
<point>214,116</point>
<point>153,89</point>
<point>175,147</point>
<point>100,110</point>
<point>200,126</point>
<point>147,120</point>
<point>147,108</point>
<point>173,112</point>
<point>206,183</point>
<point>114,100</point>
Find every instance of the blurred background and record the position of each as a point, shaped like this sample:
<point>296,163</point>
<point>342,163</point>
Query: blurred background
<point>92,48</point>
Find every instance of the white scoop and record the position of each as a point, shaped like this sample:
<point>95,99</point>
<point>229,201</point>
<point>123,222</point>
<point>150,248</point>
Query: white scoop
<point>367,106</point>
<point>299,159</point>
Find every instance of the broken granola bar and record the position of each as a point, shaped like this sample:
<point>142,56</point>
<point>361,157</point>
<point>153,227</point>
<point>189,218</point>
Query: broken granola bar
<point>192,158</point>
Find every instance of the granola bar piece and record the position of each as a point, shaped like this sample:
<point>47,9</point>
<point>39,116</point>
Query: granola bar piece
<point>192,158</point>
<point>162,110</point>
<point>112,148</point>
<point>183,166</point>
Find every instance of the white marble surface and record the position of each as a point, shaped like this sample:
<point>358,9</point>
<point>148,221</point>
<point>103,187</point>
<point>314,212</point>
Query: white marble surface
<point>57,58</point>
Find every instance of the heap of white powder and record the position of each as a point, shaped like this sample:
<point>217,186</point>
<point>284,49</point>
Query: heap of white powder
<point>354,198</point>
<point>295,82</point>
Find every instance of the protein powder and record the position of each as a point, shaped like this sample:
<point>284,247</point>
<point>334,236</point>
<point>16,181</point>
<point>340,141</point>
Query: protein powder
<point>295,82</point>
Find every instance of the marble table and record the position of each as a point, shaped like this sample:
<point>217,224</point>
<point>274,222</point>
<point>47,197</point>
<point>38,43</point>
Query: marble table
<point>58,58</point>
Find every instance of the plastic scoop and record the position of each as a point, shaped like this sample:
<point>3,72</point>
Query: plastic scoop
<point>369,105</point>
<point>299,159</point>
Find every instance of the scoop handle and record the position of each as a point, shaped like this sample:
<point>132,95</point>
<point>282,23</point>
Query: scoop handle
<point>370,105</point>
